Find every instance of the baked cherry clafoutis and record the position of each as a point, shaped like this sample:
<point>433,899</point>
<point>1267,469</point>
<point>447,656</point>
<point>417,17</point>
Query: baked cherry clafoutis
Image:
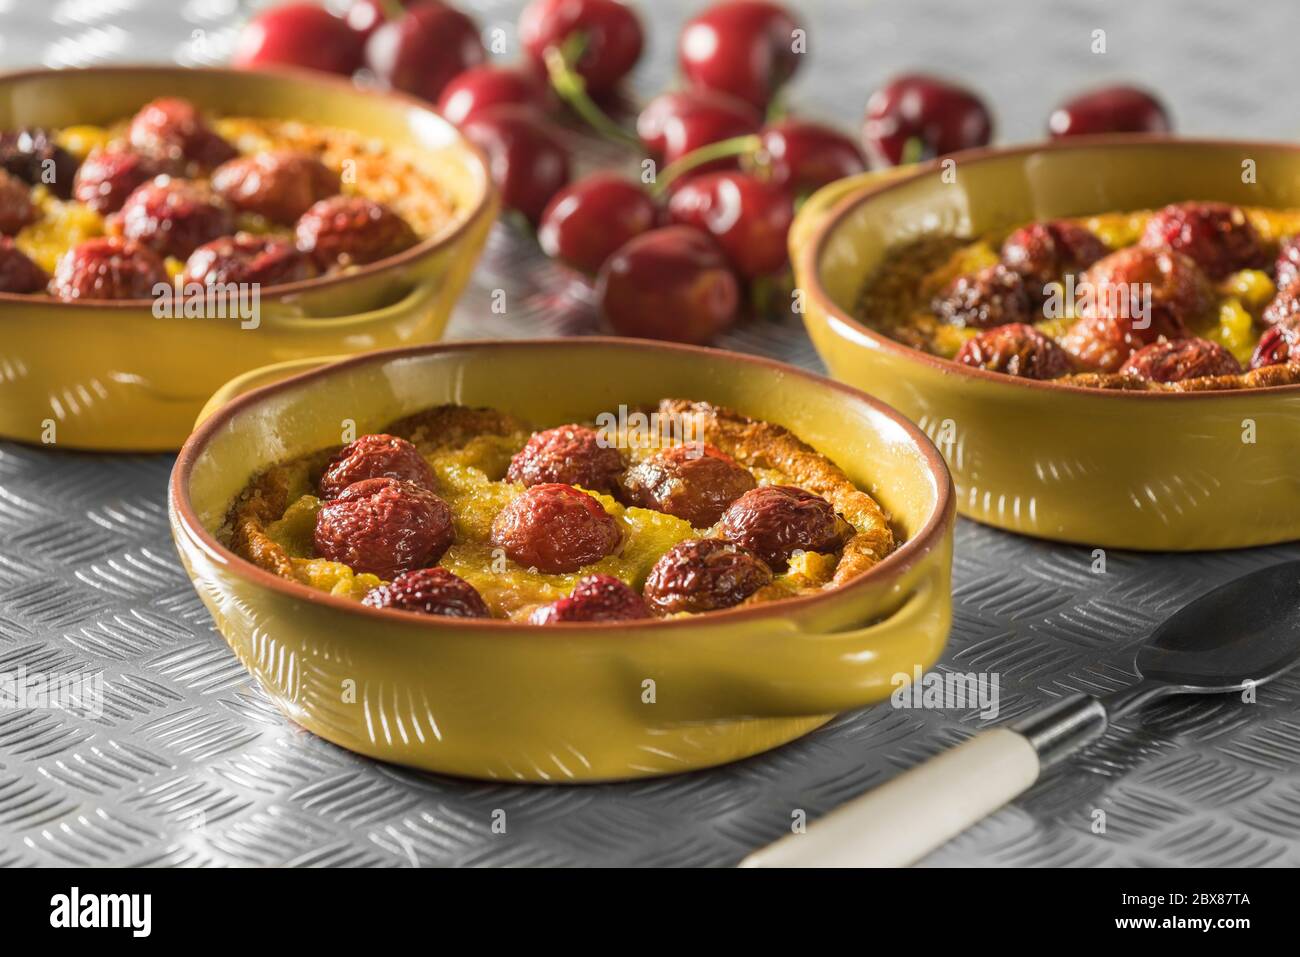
<point>467,512</point>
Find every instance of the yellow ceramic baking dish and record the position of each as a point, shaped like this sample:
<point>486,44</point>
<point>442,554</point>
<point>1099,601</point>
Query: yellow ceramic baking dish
<point>1141,470</point>
<point>111,376</point>
<point>580,702</point>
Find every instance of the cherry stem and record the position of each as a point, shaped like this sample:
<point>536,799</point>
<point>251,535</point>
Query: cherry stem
<point>708,153</point>
<point>913,151</point>
<point>392,9</point>
<point>572,88</point>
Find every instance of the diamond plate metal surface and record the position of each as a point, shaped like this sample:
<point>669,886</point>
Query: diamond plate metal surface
<point>191,765</point>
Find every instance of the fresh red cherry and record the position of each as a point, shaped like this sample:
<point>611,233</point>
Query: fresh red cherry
<point>745,48</point>
<point>483,86</point>
<point>299,34</point>
<point>528,162</point>
<point>674,124</point>
<point>586,222</point>
<point>749,217</point>
<point>424,48</point>
<point>1113,109</point>
<point>803,156</point>
<point>670,283</point>
<point>609,35</point>
<point>941,116</point>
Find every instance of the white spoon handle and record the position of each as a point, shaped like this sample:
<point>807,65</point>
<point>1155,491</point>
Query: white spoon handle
<point>904,819</point>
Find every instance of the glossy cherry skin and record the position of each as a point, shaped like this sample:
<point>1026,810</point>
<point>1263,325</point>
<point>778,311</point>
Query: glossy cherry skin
<point>803,156</point>
<point>528,162</point>
<point>299,34</point>
<point>611,33</point>
<point>674,124</point>
<point>670,283</point>
<point>747,216</point>
<point>587,221</point>
<point>942,116</point>
<point>482,86</point>
<point>1112,109</point>
<point>423,49</point>
<point>745,48</point>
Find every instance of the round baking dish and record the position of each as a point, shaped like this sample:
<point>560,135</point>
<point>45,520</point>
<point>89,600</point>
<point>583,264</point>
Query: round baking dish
<point>578,702</point>
<point>112,376</point>
<point>1139,470</point>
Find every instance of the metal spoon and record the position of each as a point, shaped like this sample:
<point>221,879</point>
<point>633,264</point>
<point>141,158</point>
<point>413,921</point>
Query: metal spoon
<point>1239,635</point>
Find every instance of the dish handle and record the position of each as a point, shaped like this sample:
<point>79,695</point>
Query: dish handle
<point>819,205</point>
<point>256,378</point>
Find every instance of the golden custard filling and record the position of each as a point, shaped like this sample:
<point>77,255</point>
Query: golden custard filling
<point>504,523</point>
<point>1194,296</point>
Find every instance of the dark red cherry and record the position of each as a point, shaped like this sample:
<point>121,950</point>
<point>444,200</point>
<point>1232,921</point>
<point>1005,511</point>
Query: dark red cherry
<point>674,124</point>
<point>608,33</point>
<point>483,86</point>
<point>941,117</point>
<point>803,156</point>
<point>670,283</point>
<point>424,48</point>
<point>529,163</point>
<point>1112,109</point>
<point>299,34</point>
<point>746,48</point>
<point>588,220</point>
<point>747,216</point>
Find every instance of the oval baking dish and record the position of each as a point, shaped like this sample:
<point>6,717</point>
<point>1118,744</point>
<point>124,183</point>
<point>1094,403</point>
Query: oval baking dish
<point>574,702</point>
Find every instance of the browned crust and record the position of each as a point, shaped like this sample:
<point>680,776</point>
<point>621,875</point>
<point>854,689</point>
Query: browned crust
<point>1286,374</point>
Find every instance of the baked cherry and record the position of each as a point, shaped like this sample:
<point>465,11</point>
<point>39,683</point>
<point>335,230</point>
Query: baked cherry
<point>171,130</point>
<point>34,157</point>
<point>594,598</point>
<point>375,456</point>
<point>607,34</point>
<point>528,161</point>
<point>803,156</point>
<point>746,48</point>
<point>1015,349</point>
<point>16,207</point>
<point>384,527</point>
<point>247,258</point>
<point>299,34</point>
<point>1216,236</point>
<point>1278,345</point>
<point>1286,268</point>
<point>568,455</point>
<point>352,230</point>
<point>1113,109</point>
<point>674,124</point>
<point>278,185</point>
<point>1173,361</point>
<point>695,482</point>
<point>1132,298</point>
<point>483,86</point>
<point>941,117</point>
<point>555,528</point>
<point>991,297</point>
<point>670,283</point>
<point>1285,304</point>
<point>704,575</point>
<point>108,267</point>
<point>17,272</point>
<point>109,176</point>
<point>1044,252</point>
<point>775,521</point>
<point>174,217</point>
<point>430,591</point>
<point>747,216</point>
<point>585,222</point>
<point>423,49</point>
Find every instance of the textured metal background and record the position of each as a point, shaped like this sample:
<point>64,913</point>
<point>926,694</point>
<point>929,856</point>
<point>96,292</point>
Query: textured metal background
<point>191,764</point>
